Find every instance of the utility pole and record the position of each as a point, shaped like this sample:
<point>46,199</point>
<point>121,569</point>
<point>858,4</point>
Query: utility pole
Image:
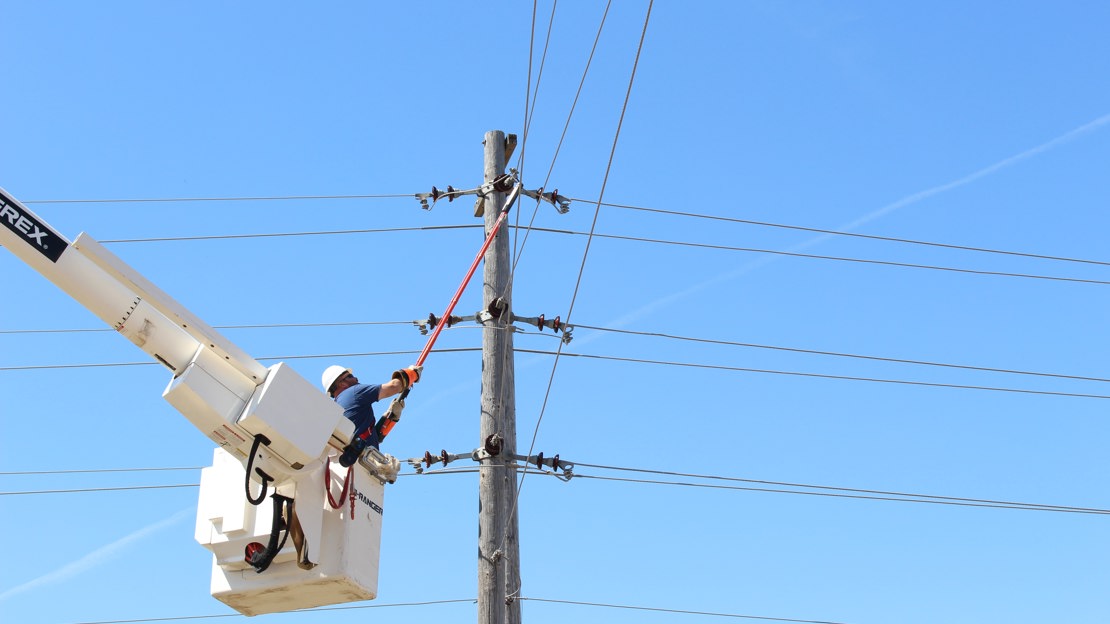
<point>498,535</point>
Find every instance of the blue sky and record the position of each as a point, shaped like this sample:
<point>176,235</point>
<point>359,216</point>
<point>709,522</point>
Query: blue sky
<point>982,126</point>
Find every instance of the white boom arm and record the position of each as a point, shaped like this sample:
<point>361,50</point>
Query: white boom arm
<point>223,391</point>
<point>270,420</point>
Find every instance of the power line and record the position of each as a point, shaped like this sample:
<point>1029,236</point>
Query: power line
<point>627,332</point>
<point>593,234</point>
<point>795,254</point>
<point>608,358</point>
<point>817,375</point>
<point>212,199</point>
<point>840,489</point>
<point>282,357</point>
<point>838,354</point>
<point>827,490</point>
<point>831,492</point>
<point>94,471</point>
<point>254,326</point>
<point>678,611</point>
<point>562,137</point>
<point>104,489</point>
<point>612,205</point>
<point>839,492</point>
<point>855,235</point>
<point>165,239</point>
<point>313,610</point>
<point>586,251</point>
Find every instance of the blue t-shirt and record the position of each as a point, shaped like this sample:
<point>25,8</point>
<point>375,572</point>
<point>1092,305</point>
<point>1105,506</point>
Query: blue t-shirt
<point>357,403</point>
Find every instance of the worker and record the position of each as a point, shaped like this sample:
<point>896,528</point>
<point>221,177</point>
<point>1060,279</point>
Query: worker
<point>357,399</point>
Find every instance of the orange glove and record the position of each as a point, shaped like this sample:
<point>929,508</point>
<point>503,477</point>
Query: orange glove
<point>408,376</point>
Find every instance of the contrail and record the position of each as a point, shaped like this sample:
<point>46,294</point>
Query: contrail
<point>96,557</point>
<point>871,216</point>
<point>982,173</point>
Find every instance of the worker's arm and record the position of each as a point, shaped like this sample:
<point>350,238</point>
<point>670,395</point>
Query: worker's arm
<point>390,388</point>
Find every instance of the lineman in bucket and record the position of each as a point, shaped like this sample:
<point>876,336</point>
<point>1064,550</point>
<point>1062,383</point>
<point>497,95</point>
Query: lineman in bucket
<point>357,399</point>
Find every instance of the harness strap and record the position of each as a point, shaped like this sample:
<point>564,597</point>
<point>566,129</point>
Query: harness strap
<point>327,484</point>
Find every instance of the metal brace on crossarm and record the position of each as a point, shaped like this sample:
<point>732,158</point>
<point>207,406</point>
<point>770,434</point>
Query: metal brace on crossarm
<point>501,184</point>
<point>492,448</point>
<point>556,325</point>
<point>494,312</point>
<point>562,204</point>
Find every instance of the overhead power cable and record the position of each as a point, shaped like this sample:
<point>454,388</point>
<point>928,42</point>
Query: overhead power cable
<point>839,354</point>
<point>212,199</point>
<point>105,489</point>
<point>94,471</point>
<point>559,146</point>
<point>795,254</point>
<point>816,375</point>
<point>828,491</point>
<point>254,326</point>
<point>679,611</point>
<point>612,205</point>
<point>608,358</point>
<point>423,603</point>
<point>831,491</point>
<point>166,239</point>
<point>283,357</point>
<point>594,234</point>
<point>629,332</point>
<point>856,235</point>
<point>586,251</point>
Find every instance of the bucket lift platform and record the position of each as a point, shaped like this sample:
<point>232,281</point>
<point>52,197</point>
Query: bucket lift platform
<point>342,543</point>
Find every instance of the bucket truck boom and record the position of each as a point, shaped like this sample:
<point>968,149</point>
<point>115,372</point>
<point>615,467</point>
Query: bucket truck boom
<point>272,427</point>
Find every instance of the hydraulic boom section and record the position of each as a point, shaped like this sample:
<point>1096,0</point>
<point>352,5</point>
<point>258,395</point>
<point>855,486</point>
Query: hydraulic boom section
<point>274,429</point>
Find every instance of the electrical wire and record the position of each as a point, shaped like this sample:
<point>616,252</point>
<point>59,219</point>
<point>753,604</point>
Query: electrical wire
<point>816,375</point>
<point>105,489</point>
<point>531,98</point>
<point>594,234</point>
<point>678,611</point>
<point>261,359</point>
<point>799,488</point>
<point>586,251</point>
<point>580,200</point>
<point>579,326</point>
<point>254,326</point>
<point>165,239</point>
<point>211,199</point>
<point>423,603</point>
<point>834,492</point>
<point>94,471</point>
<point>828,491</point>
<point>795,254</point>
<point>562,137</point>
<point>855,235</point>
<point>560,353</point>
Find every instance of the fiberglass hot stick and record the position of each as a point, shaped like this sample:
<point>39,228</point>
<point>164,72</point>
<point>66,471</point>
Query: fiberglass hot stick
<point>388,426</point>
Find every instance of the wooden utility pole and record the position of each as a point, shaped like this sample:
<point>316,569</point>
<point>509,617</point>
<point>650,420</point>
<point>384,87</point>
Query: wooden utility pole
<point>498,536</point>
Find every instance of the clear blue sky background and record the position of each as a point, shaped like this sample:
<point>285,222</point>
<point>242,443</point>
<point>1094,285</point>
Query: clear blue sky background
<point>980,125</point>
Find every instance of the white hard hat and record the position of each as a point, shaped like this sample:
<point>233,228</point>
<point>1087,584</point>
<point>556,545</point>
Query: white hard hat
<point>332,373</point>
